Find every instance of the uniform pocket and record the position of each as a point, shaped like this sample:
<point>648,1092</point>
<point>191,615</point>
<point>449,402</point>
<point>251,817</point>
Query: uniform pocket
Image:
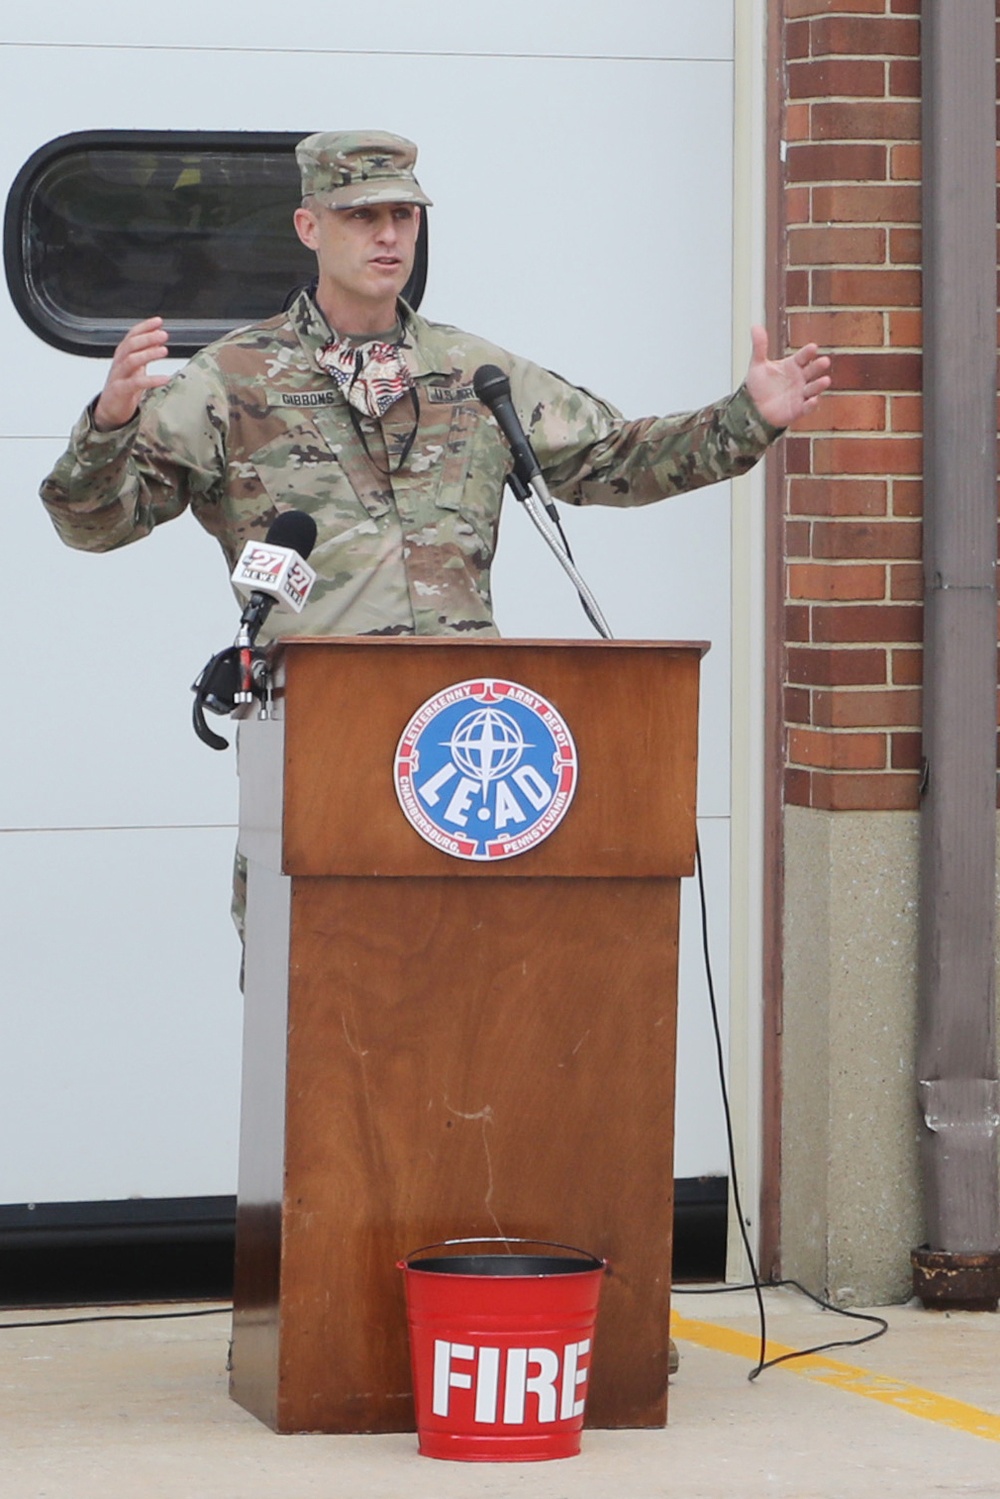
<point>475,462</point>
<point>302,469</point>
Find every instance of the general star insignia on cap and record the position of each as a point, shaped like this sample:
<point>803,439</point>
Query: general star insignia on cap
<point>351,168</point>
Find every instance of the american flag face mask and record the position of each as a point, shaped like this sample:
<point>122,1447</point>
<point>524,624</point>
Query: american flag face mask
<point>372,376</point>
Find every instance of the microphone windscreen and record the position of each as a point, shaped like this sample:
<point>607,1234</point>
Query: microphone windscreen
<point>293,529</point>
<point>490,384</point>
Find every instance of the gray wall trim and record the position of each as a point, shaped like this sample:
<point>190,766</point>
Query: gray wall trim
<point>956,1058</point>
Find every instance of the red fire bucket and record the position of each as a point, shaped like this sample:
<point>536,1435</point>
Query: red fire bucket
<point>500,1346</point>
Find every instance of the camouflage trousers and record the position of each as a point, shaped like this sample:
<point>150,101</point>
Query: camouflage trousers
<point>238,907</point>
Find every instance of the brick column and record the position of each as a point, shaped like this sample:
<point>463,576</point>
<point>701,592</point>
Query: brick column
<point>852,284</point>
<point>852,610</point>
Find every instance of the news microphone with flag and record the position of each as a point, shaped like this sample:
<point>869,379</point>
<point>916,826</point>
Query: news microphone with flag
<point>272,571</point>
<point>275,571</point>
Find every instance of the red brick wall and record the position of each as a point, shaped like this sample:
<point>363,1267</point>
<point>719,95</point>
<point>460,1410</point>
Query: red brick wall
<point>853,580</point>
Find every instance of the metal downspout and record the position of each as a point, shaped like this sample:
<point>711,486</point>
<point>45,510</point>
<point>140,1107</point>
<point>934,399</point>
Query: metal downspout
<point>956,1057</point>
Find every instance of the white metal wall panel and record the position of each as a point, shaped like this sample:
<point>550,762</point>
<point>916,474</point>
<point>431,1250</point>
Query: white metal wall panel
<point>583,217</point>
<point>686,29</point>
<point>119,1069</point>
<point>107,647</point>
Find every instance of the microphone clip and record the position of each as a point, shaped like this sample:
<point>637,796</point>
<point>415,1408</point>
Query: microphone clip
<point>232,676</point>
<point>517,486</point>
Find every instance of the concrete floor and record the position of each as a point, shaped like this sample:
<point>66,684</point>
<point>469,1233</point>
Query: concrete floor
<point>139,1409</point>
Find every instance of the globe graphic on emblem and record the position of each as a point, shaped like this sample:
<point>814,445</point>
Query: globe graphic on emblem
<point>486,745</point>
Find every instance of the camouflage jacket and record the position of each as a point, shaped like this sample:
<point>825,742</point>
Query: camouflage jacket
<point>252,425</point>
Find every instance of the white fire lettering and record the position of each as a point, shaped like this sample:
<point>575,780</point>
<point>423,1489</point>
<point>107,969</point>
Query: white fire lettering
<point>573,1377</point>
<point>518,1384</point>
<point>446,1378</point>
<point>554,1377</point>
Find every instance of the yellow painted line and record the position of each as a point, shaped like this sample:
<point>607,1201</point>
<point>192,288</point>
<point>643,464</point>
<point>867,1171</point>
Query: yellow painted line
<point>829,1371</point>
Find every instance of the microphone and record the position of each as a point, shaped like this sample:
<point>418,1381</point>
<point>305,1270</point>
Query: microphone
<point>526,482</point>
<point>493,389</point>
<point>274,571</point>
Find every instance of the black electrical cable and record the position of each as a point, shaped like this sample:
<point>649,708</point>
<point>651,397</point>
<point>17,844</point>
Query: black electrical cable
<point>212,1311</point>
<point>762,1361</point>
<point>730,1144</point>
<point>882,1326</point>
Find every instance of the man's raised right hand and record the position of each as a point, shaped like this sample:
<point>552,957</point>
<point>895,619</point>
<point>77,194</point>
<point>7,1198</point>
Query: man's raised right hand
<point>128,378</point>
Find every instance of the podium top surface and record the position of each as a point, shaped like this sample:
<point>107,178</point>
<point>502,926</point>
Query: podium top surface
<point>487,643</point>
<point>318,795</point>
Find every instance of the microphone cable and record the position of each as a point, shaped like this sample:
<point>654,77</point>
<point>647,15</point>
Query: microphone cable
<point>211,1311</point>
<point>763,1362</point>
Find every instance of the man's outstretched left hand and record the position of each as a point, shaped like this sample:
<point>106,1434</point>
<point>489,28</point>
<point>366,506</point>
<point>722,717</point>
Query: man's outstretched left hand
<point>785,389</point>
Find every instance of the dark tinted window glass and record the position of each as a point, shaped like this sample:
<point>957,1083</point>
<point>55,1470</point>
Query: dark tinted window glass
<point>104,229</point>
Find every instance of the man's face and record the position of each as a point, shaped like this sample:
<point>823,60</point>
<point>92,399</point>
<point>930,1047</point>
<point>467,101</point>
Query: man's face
<point>365,255</point>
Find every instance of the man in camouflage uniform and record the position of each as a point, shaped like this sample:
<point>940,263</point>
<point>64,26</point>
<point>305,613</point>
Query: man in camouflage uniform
<point>352,407</point>
<point>357,410</point>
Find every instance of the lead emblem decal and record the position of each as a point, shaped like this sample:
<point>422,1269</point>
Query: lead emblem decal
<point>485,770</point>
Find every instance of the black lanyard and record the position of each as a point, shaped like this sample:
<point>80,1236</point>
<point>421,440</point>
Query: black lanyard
<point>387,473</point>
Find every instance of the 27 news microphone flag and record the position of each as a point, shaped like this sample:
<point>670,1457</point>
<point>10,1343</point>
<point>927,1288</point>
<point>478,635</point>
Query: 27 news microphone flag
<point>279,572</point>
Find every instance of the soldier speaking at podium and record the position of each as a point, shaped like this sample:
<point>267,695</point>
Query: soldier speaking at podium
<point>353,408</point>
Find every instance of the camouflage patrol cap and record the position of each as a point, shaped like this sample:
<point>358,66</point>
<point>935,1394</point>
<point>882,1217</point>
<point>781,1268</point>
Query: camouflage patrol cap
<point>350,168</point>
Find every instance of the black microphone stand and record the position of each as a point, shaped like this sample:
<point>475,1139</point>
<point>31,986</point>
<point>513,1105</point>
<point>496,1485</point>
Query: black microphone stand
<point>525,480</point>
<point>537,501</point>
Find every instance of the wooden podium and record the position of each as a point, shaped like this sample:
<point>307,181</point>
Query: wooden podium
<point>435,1048</point>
